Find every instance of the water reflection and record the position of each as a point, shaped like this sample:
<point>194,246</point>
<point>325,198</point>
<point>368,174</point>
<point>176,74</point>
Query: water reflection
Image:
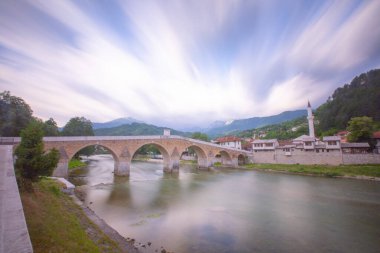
<point>235,211</point>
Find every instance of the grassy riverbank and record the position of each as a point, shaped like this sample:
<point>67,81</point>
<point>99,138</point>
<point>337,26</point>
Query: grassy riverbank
<point>321,170</point>
<point>76,163</point>
<point>57,224</point>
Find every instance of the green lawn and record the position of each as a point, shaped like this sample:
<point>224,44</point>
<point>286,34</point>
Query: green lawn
<point>57,224</point>
<point>76,163</point>
<point>321,170</point>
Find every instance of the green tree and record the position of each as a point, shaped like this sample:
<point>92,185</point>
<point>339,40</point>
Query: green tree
<point>199,136</point>
<point>50,128</point>
<point>78,126</point>
<point>360,128</point>
<point>32,162</point>
<point>15,114</point>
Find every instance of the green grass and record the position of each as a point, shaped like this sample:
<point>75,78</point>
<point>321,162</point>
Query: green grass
<point>322,170</point>
<point>188,161</point>
<point>55,222</point>
<point>76,163</point>
<point>217,164</point>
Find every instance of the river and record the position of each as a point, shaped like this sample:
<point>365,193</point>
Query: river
<point>230,210</point>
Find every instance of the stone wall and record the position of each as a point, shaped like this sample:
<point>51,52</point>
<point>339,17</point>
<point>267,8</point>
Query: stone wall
<point>333,157</point>
<point>361,158</point>
<point>264,157</point>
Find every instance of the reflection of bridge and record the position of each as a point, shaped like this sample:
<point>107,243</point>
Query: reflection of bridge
<point>123,149</point>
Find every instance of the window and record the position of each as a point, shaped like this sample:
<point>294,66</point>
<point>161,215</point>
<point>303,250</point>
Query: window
<point>332,143</point>
<point>308,143</point>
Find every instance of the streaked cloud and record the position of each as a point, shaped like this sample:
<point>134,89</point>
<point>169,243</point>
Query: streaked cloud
<point>182,63</point>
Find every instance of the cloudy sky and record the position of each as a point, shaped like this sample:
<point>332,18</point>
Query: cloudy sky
<point>182,63</point>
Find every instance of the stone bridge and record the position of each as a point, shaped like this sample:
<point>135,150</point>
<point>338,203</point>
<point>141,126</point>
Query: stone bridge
<point>123,148</point>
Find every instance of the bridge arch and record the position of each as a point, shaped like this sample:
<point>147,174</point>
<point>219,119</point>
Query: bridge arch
<point>164,152</point>
<point>241,159</point>
<point>225,157</point>
<point>201,154</point>
<point>79,148</point>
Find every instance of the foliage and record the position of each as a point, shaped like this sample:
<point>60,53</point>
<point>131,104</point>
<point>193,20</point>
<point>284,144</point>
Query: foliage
<point>199,136</point>
<point>78,126</point>
<point>57,224</point>
<point>15,114</point>
<point>329,132</point>
<point>32,162</point>
<point>359,98</point>
<point>50,128</point>
<point>360,128</point>
<point>217,164</point>
<point>321,170</point>
<point>76,163</point>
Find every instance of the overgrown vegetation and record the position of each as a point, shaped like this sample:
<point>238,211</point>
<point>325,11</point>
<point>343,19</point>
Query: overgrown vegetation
<point>359,98</point>
<point>76,163</point>
<point>199,136</point>
<point>57,224</point>
<point>322,170</point>
<point>32,162</point>
<point>217,164</point>
<point>15,114</point>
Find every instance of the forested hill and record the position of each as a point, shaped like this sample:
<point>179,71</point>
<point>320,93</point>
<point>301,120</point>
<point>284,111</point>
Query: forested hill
<point>284,131</point>
<point>136,129</point>
<point>359,98</point>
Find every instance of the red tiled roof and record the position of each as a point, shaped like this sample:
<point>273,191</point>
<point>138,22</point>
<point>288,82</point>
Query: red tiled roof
<point>227,139</point>
<point>376,135</point>
<point>342,133</point>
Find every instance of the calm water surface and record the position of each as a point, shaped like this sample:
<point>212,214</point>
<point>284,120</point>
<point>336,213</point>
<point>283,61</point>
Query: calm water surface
<point>234,210</point>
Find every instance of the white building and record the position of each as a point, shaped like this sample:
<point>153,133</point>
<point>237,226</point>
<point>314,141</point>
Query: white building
<point>229,141</point>
<point>332,142</point>
<point>264,145</point>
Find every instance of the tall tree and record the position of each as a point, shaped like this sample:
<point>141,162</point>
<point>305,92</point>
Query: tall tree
<point>78,126</point>
<point>32,162</point>
<point>50,128</point>
<point>361,129</point>
<point>199,136</point>
<point>15,114</point>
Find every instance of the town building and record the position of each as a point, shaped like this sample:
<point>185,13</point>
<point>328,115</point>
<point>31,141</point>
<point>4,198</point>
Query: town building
<point>264,145</point>
<point>307,149</point>
<point>229,141</point>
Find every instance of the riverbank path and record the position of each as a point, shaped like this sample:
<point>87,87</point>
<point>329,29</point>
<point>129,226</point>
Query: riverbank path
<point>14,236</point>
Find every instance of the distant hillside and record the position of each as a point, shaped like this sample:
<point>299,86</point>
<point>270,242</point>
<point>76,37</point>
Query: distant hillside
<point>256,122</point>
<point>115,123</point>
<point>283,131</point>
<point>136,129</point>
<point>359,98</point>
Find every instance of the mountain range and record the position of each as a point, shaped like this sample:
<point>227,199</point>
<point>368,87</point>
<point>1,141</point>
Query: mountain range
<point>228,127</point>
<point>130,126</point>
<point>115,123</point>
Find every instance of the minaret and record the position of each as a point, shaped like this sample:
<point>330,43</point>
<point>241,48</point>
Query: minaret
<point>310,119</point>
